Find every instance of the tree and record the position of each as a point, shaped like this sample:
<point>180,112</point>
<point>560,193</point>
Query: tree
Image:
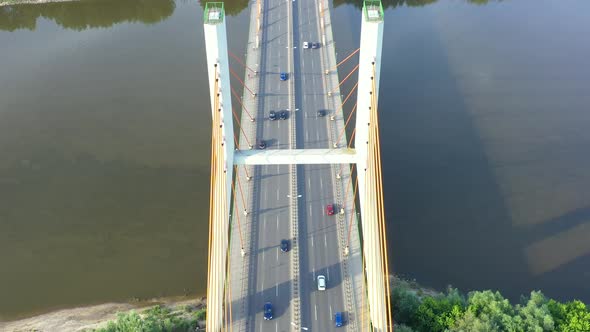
<point>405,303</point>
<point>437,314</point>
<point>535,315</point>
<point>494,310</point>
<point>570,317</point>
<point>471,323</point>
<point>403,328</point>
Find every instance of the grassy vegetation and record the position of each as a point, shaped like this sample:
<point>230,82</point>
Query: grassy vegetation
<point>416,310</point>
<point>158,319</point>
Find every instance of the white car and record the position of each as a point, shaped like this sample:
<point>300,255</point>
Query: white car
<point>305,44</point>
<point>321,282</point>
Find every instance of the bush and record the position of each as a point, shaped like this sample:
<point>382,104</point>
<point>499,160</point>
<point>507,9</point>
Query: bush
<point>201,314</point>
<point>403,328</point>
<point>405,304</point>
<point>484,311</point>
<point>156,319</point>
<point>570,317</point>
<point>437,314</point>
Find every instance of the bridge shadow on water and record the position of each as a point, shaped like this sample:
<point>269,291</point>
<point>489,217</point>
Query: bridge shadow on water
<point>461,208</point>
<point>557,254</point>
<point>448,222</point>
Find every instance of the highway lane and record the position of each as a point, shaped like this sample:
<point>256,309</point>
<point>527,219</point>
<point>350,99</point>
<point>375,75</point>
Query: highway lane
<point>319,249</point>
<point>318,232</point>
<point>271,214</point>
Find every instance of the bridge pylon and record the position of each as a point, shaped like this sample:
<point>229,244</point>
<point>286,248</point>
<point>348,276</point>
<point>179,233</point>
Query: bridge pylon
<point>369,167</point>
<point>222,154</point>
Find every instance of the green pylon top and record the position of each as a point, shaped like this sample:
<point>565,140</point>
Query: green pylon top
<point>373,10</point>
<point>213,13</point>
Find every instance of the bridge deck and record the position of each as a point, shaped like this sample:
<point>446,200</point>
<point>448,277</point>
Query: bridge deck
<point>285,201</point>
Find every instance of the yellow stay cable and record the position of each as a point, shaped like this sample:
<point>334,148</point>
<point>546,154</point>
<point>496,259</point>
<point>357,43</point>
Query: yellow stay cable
<point>380,202</point>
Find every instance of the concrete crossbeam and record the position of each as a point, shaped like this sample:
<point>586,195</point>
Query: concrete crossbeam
<point>295,156</point>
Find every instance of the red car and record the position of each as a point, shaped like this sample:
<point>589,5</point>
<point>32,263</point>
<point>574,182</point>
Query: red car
<point>330,209</point>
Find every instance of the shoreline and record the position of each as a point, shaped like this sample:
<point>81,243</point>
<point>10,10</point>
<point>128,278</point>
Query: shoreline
<point>92,317</point>
<point>86,318</point>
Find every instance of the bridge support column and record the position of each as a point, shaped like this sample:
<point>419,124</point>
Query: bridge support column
<point>369,180</point>
<point>222,153</point>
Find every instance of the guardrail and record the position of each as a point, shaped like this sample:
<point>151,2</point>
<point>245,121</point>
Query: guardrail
<point>295,287</point>
<point>343,172</point>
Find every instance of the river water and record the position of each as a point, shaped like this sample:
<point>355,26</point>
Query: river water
<point>104,146</point>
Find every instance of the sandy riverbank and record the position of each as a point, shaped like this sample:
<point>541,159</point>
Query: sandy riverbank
<point>92,317</point>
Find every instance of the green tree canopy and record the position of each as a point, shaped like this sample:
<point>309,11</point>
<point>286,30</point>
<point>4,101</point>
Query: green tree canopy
<point>437,314</point>
<point>571,317</point>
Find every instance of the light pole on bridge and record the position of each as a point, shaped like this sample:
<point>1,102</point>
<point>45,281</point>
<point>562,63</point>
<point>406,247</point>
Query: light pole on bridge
<point>299,327</point>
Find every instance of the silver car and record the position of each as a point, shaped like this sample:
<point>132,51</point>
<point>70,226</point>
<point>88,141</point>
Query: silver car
<point>321,282</point>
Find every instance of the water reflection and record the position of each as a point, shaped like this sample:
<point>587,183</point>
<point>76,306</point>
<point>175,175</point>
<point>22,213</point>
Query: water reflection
<point>80,15</point>
<point>232,7</point>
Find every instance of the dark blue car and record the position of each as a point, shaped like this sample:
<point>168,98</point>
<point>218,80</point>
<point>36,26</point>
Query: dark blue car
<point>267,311</point>
<point>284,245</point>
<point>339,319</point>
<point>283,76</point>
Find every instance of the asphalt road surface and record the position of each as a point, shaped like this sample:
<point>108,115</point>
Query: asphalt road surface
<point>270,277</point>
<point>318,234</point>
<point>271,280</point>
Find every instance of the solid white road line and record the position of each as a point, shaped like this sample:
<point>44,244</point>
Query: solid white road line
<point>316,311</point>
<point>277,222</point>
<point>330,312</point>
<point>278,198</point>
<point>321,185</point>
<point>328,273</point>
<point>277,290</point>
<point>278,256</point>
<point>310,210</point>
<point>326,240</point>
<point>312,241</point>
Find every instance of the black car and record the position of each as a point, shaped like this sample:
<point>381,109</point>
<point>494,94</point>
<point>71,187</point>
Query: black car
<point>321,113</point>
<point>272,115</point>
<point>267,311</point>
<point>283,115</point>
<point>315,45</point>
<point>262,145</point>
<point>284,245</point>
